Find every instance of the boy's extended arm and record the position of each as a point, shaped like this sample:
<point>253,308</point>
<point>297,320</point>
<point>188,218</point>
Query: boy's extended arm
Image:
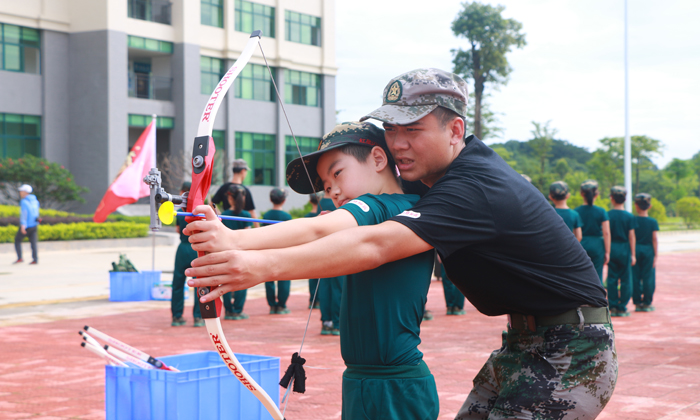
<point>212,236</point>
<point>347,252</point>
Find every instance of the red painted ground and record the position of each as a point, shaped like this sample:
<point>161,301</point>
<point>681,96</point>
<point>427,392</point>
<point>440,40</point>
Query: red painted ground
<point>45,375</point>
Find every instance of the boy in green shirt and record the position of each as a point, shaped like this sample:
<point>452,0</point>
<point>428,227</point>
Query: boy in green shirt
<point>278,304</point>
<point>236,197</point>
<point>382,308</point>
<point>644,272</point>
<point>559,193</point>
<point>622,253</point>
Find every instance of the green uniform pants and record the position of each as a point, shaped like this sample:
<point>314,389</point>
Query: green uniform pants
<point>183,260</point>
<point>563,372</point>
<point>238,301</point>
<point>389,392</point>
<point>330,290</point>
<point>313,286</point>
<point>595,248</point>
<point>280,300</point>
<point>453,297</point>
<point>644,276</point>
<point>619,281</point>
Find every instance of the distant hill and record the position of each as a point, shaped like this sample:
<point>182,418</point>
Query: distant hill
<point>521,151</point>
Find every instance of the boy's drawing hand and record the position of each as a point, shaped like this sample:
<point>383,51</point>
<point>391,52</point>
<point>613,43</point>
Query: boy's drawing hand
<point>229,270</point>
<point>208,235</point>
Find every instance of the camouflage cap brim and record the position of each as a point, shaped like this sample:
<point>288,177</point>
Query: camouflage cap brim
<point>400,115</point>
<point>296,175</point>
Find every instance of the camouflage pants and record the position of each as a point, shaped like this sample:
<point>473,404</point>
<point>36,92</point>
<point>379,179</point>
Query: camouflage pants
<point>560,372</point>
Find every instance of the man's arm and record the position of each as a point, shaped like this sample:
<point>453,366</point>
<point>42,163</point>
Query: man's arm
<point>212,236</point>
<point>350,251</point>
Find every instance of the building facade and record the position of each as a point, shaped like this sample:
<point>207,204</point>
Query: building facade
<point>79,79</point>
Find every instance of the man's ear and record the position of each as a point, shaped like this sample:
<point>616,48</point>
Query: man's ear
<point>457,130</point>
<point>378,158</point>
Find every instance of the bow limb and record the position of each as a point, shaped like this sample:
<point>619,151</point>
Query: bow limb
<point>202,166</point>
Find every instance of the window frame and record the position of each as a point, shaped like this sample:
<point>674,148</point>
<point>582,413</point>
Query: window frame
<point>21,44</point>
<point>255,155</point>
<point>296,24</point>
<point>23,137</point>
<point>211,5</point>
<point>207,90</point>
<point>306,145</point>
<point>296,92</point>
<point>258,92</point>
<point>265,12</point>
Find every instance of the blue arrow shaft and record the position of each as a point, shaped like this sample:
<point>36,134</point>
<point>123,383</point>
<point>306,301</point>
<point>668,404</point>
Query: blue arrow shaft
<point>236,218</point>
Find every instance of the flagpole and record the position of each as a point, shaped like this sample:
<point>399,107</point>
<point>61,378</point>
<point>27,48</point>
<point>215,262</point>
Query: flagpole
<point>155,148</point>
<point>628,142</point>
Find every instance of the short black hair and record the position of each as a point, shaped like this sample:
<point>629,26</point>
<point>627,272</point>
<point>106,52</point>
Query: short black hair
<point>444,116</point>
<point>361,152</point>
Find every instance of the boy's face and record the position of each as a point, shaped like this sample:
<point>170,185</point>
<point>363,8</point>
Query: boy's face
<point>344,177</point>
<point>423,149</point>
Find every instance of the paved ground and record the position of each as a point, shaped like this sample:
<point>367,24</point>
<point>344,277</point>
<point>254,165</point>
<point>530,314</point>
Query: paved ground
<point>45,375</point>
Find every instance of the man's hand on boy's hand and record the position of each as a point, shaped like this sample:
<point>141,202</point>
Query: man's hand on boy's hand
<point>229,270</point>
<point>208,235</point>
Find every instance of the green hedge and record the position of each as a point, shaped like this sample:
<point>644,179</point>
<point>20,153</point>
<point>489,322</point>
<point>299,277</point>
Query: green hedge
<point>13,211</point>
<point>73,231</point>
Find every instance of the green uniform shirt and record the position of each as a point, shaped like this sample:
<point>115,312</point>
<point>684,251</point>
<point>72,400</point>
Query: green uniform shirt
<point>644,230</point>
<point>592,218</point>
<point>381,309</point>
<point>182,225</point>
<point>571,218</point>
<point>236,224</point>
<point>621,222</point>
<point>276,215</point>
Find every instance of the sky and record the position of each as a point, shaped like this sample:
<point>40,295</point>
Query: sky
<point>571,72</point>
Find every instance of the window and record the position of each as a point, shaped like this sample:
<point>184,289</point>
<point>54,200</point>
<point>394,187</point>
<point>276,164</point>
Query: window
<point>19,49</point>
<point>252,16</point>
<point>254,83</point>
<point>302,88</point>
<point>306,145</point>
<point>213,13</point>
<point>136,120</point>
<point>219,172</point>
<point>259,151</point>
<point>20,135</point>
<point>305,29</point>
<point>212,72</point>
<point>150,44</point>
<point>151,10</point>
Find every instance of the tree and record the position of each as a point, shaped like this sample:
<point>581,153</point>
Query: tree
<point>541,143</point>
<point>678,169</point>
<point>643,149</point>
<point>562,168</point>
<point>490,38</point>
<point>689,209</point>
<point>505,155</point>
<point>490,125</point>
<point>52,184</point>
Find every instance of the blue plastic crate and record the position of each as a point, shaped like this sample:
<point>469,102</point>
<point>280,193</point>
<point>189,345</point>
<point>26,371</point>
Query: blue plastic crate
<point>203,389</point>
<point>127,286</point>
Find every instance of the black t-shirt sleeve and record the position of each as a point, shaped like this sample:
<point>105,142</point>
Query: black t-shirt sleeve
<point>249,204</point>
<point>454,214</point>
<point>220,194</point>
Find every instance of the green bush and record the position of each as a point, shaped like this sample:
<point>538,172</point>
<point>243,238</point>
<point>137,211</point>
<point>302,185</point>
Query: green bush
<point>74,231</point>
<point>689,209</point>
<point>300,212</point>
<point>13,211</point>
<point>657,211</point>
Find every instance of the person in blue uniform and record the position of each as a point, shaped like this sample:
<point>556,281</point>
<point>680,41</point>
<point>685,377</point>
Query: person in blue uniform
<point>559,193</point>
<point>622,253</point>
<point>183,260</point>
<point>236,197</point>
<point>596,228</point>
<point>278,304</point>
<point>644,272</point>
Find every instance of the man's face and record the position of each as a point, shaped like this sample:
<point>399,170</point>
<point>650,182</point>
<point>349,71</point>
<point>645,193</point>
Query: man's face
<point>23,194</point>
<point>423,150</point>
<point>344,177</point>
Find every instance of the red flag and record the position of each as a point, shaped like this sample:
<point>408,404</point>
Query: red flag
<point>128,185</point>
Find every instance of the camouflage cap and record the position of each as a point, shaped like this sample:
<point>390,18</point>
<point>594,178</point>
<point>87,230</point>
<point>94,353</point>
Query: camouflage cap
<point>186,186</point>
<point>558,190</point>
<point>278,193</point>
<point>643,200</point>
<point>362,133</point>
<point>589,185</point>
<point>413,95</point>
<point>618,190</point>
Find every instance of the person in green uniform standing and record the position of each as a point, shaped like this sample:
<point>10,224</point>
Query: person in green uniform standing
<point>313,283</point>
<point>381,308</point>
<point>622,253</point>
<point>596,228</point>
<point>236,197</point>
<point>183,260</point>
<point>559,193</point>
<point>278,304</point>
<point>644,272</point>
<point>454,299</point>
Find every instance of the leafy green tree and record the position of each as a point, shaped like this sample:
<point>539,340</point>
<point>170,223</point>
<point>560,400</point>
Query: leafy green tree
<point>678,169</point>
<point>53,184</point>
<point>562,168</point>
<point>490,37</point>
<point>689,209</point>
<point>541,143</point>
<point>505,155</point>
<point>490,124</point>
<point>695,164</point>
<point>643,150</point>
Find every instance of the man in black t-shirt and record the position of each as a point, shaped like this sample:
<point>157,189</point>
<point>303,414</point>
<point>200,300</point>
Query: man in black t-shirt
<point>240,170</point>
<point>501,243</point>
